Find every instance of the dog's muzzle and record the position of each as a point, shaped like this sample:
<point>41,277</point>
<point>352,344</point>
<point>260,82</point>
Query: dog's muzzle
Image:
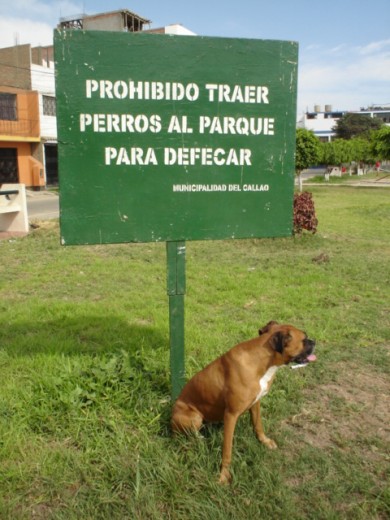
<point>307,356</point>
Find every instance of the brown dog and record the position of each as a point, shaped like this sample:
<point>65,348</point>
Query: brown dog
<point>235,383</point>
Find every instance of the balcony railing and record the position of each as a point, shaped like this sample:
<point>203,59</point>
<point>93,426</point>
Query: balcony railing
<point>19,128</point>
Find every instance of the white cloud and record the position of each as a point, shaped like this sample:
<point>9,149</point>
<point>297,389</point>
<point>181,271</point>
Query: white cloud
<point>374,47</point>
<point>31,8</point>
<point>49,11</point>
<point>23,31</point>
<point>340,49</point>
<point>32,21</point>
<point>370,70</point>
<point>345,77</point>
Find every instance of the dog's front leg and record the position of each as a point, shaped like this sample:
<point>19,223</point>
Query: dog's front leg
<point>258,427</point>
<point>229,424</point>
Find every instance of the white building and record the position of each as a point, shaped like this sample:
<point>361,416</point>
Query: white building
<point>42,80</point>
<point>175,28</point>
<point>322,122</point>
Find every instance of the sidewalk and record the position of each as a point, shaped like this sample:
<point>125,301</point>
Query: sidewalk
<point>36,194</point>
<point>383,181</point>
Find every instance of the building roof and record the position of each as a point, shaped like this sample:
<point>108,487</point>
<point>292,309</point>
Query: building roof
<point>77,21</point>
<point>119,11</point>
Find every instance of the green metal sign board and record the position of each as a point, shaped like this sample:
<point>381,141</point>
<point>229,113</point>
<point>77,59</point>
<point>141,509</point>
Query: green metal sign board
<point>169,138</point>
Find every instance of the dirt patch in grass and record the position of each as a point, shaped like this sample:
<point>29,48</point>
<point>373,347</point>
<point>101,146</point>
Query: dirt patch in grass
<point>351,411</point>
<point>7,235</point>
<point>44,224</point>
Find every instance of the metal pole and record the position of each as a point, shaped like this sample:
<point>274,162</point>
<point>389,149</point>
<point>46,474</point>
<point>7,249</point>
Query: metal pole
<point>176,287</point>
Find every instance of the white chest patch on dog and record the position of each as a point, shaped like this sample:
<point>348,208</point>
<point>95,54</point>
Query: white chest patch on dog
<point>264,383</point>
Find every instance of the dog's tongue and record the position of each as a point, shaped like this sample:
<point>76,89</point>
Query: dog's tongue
<point>311,358</point>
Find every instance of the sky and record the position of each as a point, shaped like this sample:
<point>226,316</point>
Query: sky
<point>344,45</point>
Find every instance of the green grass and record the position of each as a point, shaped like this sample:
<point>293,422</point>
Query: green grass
<point>84,394</point>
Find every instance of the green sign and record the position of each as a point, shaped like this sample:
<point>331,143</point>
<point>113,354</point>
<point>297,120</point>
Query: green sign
<point>168,138</point>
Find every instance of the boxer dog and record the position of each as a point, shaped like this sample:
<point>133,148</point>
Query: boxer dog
<point>236,382</point>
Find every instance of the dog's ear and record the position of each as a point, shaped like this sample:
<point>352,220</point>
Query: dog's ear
<point>279,340</point>
<point>267,327</point>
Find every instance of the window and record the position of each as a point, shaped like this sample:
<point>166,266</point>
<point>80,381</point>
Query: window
<point>49,105</point>
<point>8,107</point>
<point>8,165</point>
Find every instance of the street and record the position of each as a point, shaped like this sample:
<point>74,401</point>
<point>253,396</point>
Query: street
<point>42,205</point>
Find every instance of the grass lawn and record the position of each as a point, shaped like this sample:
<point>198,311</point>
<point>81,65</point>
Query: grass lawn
<point>85,395</point>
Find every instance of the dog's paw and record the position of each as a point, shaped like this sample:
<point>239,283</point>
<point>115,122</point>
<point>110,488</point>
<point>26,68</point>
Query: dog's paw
<point>271,445</point>
<point>225,477</point>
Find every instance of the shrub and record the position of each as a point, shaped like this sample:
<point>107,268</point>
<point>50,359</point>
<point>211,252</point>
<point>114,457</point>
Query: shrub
<point>304,213</point>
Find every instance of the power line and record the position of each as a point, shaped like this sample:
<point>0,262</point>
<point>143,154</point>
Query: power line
<point>50,72</point>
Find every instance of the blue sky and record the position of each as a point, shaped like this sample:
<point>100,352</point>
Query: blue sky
<point>344,45</point>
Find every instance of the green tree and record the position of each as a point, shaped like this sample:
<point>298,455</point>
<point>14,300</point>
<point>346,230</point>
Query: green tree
<point>307,151</point>
<point>360,150</point>
<point>342,151</point>
<point>356,125</point>
<point>380,143</point>
<point>335,152</point>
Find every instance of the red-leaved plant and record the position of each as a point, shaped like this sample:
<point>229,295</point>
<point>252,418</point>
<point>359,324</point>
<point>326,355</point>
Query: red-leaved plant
<point>304,213</point>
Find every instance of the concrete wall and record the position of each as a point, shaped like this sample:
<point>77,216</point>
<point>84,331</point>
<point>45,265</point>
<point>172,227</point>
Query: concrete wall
<point>108,22</point>
<point>42,55</point>
<point>27,124</point>
<point>15,67</point>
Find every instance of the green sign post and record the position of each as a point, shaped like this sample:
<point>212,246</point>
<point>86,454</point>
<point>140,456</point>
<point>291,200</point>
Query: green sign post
<point>174,138</point>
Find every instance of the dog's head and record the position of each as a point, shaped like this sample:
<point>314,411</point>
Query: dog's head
<point>291,343</point>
